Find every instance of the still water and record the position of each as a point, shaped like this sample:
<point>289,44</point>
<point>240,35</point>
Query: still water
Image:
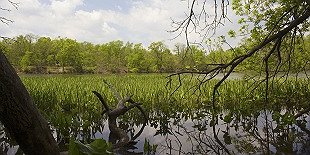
<point>183,135</point>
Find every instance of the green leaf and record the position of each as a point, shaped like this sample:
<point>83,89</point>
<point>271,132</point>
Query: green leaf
<point>154,148</point>
<point>227,138</point>
<point>232,33</point>
<point>73,148</point>
<point>97,147</point>
<point>228,118</point>
<point>100,145</point>
<point>146,146</point>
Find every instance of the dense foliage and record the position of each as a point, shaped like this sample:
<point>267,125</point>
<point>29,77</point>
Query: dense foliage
<point>32,54</point>
<point>259,20</point>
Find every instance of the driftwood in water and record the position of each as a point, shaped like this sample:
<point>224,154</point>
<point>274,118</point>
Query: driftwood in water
<point>120,110</point>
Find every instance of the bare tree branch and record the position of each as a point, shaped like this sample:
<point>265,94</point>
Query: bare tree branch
<point>121,109</point>
<point>274,39</point>
<point>6,20</point>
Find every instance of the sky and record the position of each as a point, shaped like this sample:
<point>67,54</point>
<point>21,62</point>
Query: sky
<point>100,21</point>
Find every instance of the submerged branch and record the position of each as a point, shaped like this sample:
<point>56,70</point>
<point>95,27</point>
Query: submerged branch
<point>113,114</point>
<point>105,105</point>
<point>111,87</point>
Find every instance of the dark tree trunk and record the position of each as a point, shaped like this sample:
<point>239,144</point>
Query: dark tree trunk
<point>21,117</point>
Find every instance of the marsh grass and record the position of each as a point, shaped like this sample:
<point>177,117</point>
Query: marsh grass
<point>68,103</point>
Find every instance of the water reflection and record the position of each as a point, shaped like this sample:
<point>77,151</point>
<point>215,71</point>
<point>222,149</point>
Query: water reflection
<point>191,132</point>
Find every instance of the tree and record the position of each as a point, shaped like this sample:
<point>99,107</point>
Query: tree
<point>70,55</point>
<point>88,54</point>
<point>274,28</point>
<point>112,57</point>
<point>26,60</point>
<point>274,23</point>
<point>36,56</point>
<point>137,60</point>
<point>161,57</point>
<point>19,114</point>
<point>190,58</point>
<point>17,48</point>
<point>42,50</point>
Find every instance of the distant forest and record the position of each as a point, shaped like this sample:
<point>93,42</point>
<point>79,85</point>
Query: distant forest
<point>43,55</point>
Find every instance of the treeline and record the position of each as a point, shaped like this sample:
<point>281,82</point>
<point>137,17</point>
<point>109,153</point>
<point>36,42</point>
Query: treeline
<point>32,54</point>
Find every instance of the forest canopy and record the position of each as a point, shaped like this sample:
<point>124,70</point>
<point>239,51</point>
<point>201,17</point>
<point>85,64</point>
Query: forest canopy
<point>33,54</point>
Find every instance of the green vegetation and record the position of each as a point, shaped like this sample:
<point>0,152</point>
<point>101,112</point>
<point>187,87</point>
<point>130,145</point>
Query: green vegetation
<point>73,94</point>
<point>97,147</point>
<point>68,104</point>
<point>30,54</point>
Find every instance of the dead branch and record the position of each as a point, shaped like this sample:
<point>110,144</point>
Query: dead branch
<point>121,109</point>
<point>196,21</point>
<point>302,112</point>
<point>14,4</point>
<point>6,20</point>
<point>116,94</point>
<point>105,105</point>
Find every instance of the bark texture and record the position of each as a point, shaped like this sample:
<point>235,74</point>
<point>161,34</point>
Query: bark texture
<point>20,116</point>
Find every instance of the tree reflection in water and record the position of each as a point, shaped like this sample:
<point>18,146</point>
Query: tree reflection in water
<point>244,134</point>
<point>193,132</point>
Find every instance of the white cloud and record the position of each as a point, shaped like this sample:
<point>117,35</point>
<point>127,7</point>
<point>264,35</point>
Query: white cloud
<point>107,29</point>
<point>65,7</point>
<point>144,21</point>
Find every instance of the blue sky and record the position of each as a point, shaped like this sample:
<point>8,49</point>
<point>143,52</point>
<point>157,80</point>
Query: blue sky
<point>90,5</point>
<point>120,5</point>
<point>100,21</point>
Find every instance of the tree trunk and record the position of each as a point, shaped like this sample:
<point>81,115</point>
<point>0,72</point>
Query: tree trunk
<point>21,117</point>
